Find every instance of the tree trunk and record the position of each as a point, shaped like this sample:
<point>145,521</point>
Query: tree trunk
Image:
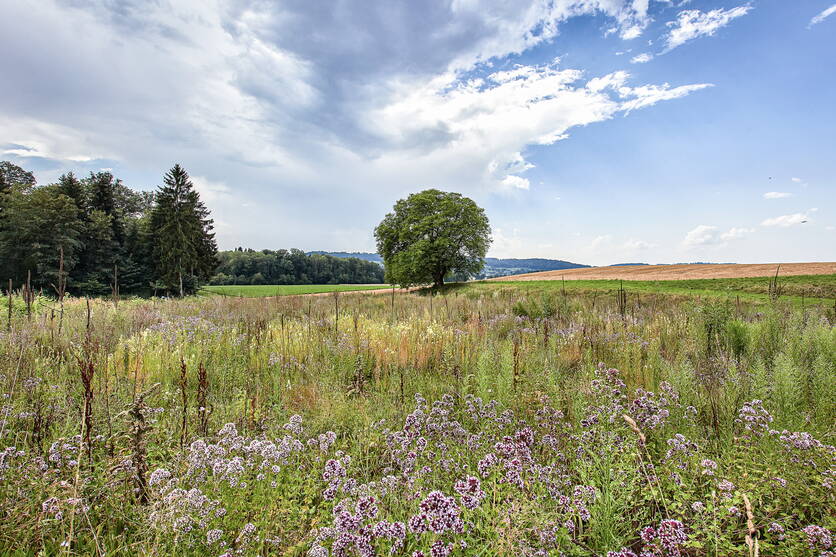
<point>180,275</point>
<point>439,279</point>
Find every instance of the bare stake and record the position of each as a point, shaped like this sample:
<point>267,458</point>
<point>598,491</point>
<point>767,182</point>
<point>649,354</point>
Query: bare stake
<point>202,404</point>
<point>87,372</point>
<point>138,429</point>
<point>621,298</point>
<point>27,295</point>
<point>336,312</point>
<point>9,326</point>
<point>115,286</point>
<point>183,383</point>
<point>775,289</point>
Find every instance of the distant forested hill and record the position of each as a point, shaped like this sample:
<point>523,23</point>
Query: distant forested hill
<point>494,267</point>
<point>501,267</point>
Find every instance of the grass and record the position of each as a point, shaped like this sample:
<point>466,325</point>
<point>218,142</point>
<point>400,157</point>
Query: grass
<point>260,291</point>
<point>491,414</point>
<point>814,288</point>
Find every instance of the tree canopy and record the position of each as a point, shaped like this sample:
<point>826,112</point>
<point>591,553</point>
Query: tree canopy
<point>430,235</point>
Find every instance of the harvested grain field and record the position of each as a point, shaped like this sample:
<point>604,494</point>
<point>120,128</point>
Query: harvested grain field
<point>680,272</point>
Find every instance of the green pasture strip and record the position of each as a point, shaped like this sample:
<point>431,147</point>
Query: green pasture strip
<point>260,291</point>
<point>813,288</point>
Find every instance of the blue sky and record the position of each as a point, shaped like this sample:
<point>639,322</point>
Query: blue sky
<point>597,131</point>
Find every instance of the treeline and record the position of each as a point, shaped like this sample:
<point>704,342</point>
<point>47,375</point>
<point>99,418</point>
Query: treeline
<point>96,236</point>
<point>247,266</point>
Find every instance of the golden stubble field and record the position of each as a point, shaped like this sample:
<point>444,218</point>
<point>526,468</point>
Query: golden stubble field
<point>680,272</point>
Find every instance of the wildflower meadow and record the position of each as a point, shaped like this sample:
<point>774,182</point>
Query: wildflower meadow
<point>469,421</point>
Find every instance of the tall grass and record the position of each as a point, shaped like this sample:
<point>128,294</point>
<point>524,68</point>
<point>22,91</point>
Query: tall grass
<point>255,426</point>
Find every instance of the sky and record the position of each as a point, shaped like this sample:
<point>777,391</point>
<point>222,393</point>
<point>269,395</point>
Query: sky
<point>594,131</point>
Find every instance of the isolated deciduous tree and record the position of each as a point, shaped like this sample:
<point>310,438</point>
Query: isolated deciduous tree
<point>431,234</point>
<point>11,175</point>
<point>184,246</point>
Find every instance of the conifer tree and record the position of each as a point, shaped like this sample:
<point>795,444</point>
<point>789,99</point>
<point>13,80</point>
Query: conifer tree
<point>72,187</point>
<point>184,245</point>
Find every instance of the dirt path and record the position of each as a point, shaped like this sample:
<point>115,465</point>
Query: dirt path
<point>679,272</point>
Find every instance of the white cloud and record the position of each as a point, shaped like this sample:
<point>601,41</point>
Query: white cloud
<point>785,221</point>
<point>493,119</point>
<point>776,195</point>
<point>515,182</point>
<point>516,27</point>
<point>600,242</point>
<point>641,58</point>
<point>638,245</point>
<point>33,138</point>
<point>823,15</point>
<point>691,24</point>
<point>796,180</point>
<point>607,244</point>
<point>735,233</point>
<point>507,245</point>
<point>515,163</point>
<point>648,95</point>
<point>700,236</point>
<point>706,235</point>
<point>210,190</point>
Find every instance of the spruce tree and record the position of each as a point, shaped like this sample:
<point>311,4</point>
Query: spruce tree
<point>73,188</point>
<point>184,246</point>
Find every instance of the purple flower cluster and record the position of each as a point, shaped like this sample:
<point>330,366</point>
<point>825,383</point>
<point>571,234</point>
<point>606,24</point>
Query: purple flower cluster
<point>470,491</point>
<point>55,507</point>
<point>754,419</point>
<point>708,467</point>
<point>324,441</point>
<point>623,552</point>
<point>610,392</point>
<point>439,514</point>
<point>726,488</point>
<point>679,449</point>
<point>356,531</point>
<point>776,529</point>
<point>63,453</point>
<point>186,330</point>
<point>10,458</point>
<point>818,537</point>
<point>486,464</point>
<point>666,540</point>
<point>335,474</point>
<point>650,411</point>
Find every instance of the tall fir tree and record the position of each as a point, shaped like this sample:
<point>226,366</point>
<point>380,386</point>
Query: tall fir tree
<point>73,188</point>
<point>184,249</point>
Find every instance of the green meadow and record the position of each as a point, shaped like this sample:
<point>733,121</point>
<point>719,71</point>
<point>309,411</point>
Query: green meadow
<point>812,288</point>
<point>259,291</point>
